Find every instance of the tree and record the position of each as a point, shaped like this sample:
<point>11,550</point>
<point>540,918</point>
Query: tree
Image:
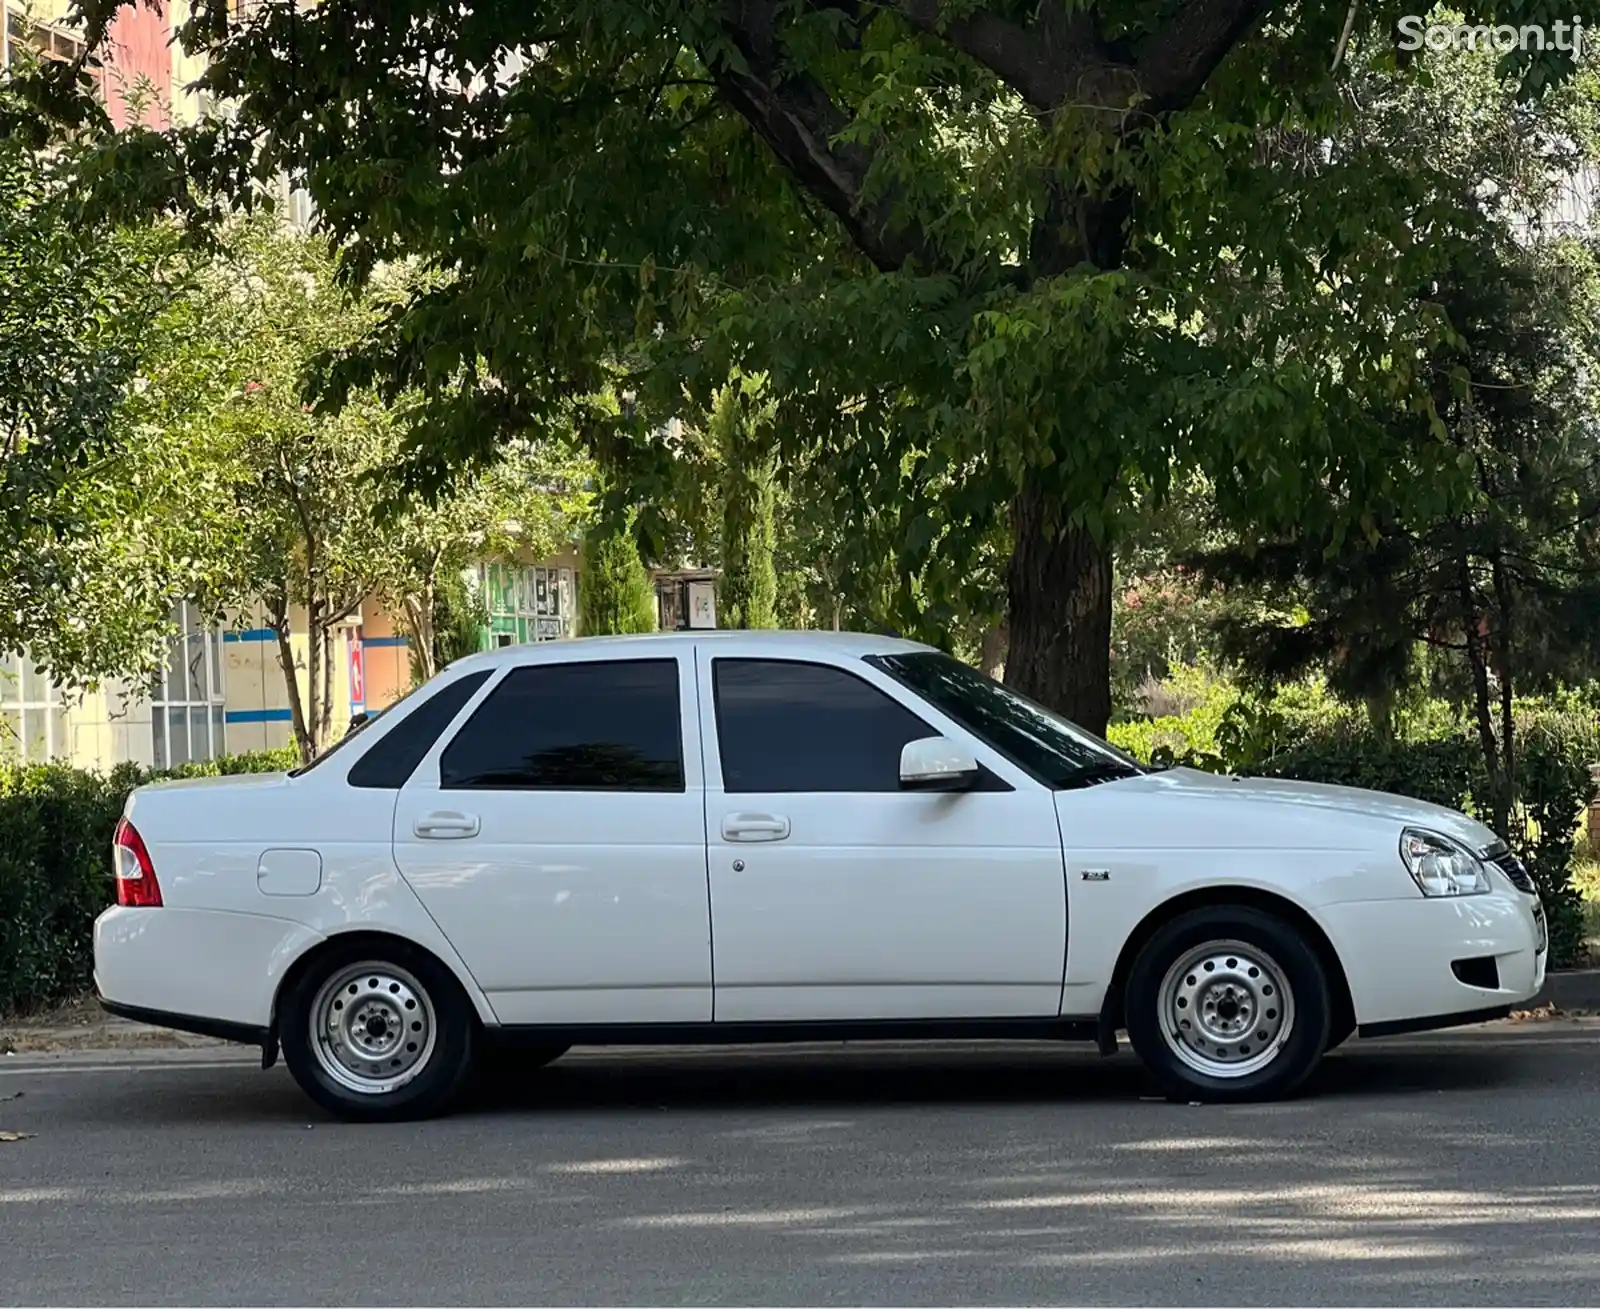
<point>741,426</point>
<point>1494,588</point>
<point>1034,256</point>
<point>1505,588</point>
<point>94,550</point>
<point>530,500</point>
<point>317,513</point>
<point>614,593</point>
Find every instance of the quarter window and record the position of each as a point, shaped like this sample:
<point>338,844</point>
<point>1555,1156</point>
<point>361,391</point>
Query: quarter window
<point>784,726</point>
<point>602,726</point>
<point>388,765</point>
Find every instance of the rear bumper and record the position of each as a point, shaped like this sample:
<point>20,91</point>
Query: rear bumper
<point>182,967</point>
<point>243,1033</point>
<point>1398,958</point>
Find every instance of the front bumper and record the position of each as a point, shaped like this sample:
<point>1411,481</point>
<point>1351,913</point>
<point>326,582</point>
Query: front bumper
<point>1398,957</point>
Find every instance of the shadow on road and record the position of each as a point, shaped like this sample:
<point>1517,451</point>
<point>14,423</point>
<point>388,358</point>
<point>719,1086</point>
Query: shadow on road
<point>589,1082</point>
<point>896,1078</point>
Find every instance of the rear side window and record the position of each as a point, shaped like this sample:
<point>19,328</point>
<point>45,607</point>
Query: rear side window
<point>389,764</point>
<point>612,726</point>
<point>785,726</point>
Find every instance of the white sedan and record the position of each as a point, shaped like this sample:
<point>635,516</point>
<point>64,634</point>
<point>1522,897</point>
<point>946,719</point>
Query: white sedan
<point>741,837</point>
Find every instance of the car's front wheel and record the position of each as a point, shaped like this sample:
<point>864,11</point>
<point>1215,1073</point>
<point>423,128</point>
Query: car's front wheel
<point>376,1032</point>
<point>1228,1003</point>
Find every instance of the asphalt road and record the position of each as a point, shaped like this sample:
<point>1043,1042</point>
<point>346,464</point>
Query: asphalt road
<point>1459,1169</point>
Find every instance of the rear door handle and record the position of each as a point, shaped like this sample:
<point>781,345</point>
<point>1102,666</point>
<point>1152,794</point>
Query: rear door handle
<point>446,826</point>
<point>755,827</point>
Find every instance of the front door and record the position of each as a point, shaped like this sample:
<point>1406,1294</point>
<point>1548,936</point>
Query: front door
<point>835,895</point>
<point>558,839</point>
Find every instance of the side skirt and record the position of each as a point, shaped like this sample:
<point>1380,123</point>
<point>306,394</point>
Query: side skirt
<point>780,1033</point>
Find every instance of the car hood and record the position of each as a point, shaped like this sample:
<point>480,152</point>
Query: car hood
<point>1337,809</point>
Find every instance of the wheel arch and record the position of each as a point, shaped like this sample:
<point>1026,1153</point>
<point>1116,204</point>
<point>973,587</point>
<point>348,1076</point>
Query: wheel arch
<point>1112,1010</point>
<point>378,938</point>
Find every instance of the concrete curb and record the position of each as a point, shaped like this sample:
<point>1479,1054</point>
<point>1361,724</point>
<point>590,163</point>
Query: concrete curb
<point>1578,989</point>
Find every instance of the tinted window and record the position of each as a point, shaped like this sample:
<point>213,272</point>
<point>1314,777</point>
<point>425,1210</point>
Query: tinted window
<point>786,726</point>
<point>573,727</point>
<point>1057,752</point>
<point>390,763</point>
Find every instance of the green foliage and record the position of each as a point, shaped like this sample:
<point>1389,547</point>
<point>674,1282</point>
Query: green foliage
<point>93,551</point>
<point>741,428</point>
<point>985,255</point>
<point>614,591</point>
<point>310,507</point>
<point>56,826</point>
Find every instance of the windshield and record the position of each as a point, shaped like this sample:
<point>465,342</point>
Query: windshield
<point>1059,753</point>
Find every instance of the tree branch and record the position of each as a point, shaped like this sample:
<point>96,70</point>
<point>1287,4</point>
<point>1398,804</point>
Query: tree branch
<point>792,112</point>
<point>1056,61</point>
<point>1179,59</point>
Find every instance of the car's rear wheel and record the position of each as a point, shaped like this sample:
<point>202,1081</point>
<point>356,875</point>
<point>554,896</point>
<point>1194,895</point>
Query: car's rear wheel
<point>378,1032</point>
<point>1228,1003</point>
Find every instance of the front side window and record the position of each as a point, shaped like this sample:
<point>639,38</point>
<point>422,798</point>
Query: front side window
<point>1057,752</point>
<point>785,726</point>
<point>603,726</point>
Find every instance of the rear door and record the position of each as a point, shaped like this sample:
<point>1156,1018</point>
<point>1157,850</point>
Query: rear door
<point>558,839</point>
<point>837,896</point>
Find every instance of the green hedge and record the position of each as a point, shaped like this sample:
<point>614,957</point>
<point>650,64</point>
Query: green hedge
<point>56,825</point>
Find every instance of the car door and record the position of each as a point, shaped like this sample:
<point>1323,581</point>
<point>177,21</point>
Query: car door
<point>558,839</point>
<point>835,895</point>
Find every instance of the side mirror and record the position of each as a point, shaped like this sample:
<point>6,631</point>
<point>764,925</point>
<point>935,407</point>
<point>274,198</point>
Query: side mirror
<point>936,763</point>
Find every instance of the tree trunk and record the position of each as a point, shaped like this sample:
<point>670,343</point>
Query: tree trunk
<point>314,673</point>
<point>279,617</point>
<point>1503,644</point>
<point>325,719</point>
<point>1471,621</point>
<point>1059,591</point>
<point>418,610</point>
<point>992,650</point>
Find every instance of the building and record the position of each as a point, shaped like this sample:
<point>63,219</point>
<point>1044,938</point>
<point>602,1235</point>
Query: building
<point>140,66</point>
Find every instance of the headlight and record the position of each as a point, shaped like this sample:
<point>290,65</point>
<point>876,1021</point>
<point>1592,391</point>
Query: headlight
<point>1441,867</point>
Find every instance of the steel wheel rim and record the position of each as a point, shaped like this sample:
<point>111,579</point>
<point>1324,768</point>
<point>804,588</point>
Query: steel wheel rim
<point>373,1028</point>
<point>1226,1009</point>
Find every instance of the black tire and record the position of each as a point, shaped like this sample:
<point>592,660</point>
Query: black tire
<point>1308,1021</point>
<point>436,1074</point>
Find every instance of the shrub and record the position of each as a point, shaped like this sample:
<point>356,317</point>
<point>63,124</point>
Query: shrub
<point>56,825</point>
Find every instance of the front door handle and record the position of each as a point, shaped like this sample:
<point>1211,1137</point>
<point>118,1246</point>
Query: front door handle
<point>446,826</point>
<point>755,827</point>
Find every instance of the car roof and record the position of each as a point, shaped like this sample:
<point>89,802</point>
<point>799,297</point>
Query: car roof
<point>789,644</point>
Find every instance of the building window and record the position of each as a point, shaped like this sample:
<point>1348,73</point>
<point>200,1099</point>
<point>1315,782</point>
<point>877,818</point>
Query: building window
<point>47,40</point>
<point>33,726</point>
<point>186,720</point>
<point>526,604</point>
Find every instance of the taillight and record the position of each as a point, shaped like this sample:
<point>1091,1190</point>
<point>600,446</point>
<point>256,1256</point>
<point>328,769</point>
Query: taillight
<point>137,887</point>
